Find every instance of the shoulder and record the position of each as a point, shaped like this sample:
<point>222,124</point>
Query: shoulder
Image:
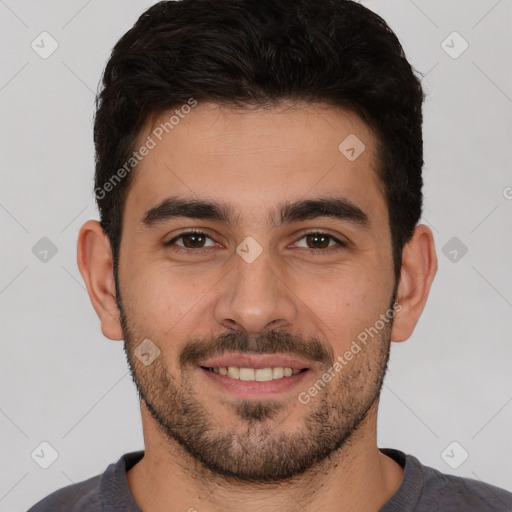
<point>99,493</point>
<point>425,489</point>
<point>466,494</point>
<point>74,497</point>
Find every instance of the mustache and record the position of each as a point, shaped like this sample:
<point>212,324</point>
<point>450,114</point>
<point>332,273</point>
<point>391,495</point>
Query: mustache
<point>270,342</point>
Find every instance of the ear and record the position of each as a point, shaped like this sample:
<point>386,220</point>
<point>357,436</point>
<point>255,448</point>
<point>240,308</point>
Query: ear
<point>94,258</point>
<point>419,267</point>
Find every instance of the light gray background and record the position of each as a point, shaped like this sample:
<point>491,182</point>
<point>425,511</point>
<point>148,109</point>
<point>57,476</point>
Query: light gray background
<point>62,382</point>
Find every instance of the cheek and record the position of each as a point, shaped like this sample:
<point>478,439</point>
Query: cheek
<point>345,304</point>
<point>162,295</point>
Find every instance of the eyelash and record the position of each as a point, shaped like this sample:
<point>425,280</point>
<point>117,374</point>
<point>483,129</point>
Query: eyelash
<point>341,245</point>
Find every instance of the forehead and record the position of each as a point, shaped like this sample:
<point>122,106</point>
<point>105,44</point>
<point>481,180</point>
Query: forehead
<point>253,159</point>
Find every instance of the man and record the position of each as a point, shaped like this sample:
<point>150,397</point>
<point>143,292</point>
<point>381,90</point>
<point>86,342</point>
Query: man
<point>259,177</point>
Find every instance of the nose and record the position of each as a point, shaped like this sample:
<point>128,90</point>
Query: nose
<point>256,296</point>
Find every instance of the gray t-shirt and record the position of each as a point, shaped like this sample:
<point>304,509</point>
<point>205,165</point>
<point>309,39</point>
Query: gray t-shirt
<point>423,489</point>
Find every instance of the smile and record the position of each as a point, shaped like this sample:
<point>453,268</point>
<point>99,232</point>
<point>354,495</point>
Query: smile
<point>256,374</point>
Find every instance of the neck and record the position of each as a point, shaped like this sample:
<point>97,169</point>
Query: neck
<point>355,478</point>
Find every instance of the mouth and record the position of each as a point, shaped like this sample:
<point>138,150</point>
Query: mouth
<point>254,376</point>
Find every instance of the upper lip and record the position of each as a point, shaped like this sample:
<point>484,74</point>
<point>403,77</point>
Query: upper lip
<point>255,361</point>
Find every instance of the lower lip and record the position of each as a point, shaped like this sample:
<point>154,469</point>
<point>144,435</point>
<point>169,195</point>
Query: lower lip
<point>254,388</point>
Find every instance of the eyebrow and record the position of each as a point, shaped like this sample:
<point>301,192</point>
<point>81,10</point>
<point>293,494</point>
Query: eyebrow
<point>338,208</point>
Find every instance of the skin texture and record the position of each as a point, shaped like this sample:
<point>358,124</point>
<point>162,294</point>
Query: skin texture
<point>206,448</point>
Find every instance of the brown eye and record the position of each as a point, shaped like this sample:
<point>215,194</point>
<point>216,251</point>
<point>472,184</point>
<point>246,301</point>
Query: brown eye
<point>190,240</point>
<point>315,241</point>
<point>193,240</point>
<point>318,240</point>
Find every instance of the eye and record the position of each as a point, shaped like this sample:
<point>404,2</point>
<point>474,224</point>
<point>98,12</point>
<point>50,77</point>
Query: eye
<point>195,240</point>
<point>321,241</point>
<point>191,240</point>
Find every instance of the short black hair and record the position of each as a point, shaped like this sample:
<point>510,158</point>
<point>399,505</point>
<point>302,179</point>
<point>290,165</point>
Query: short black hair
<point>260,53</point>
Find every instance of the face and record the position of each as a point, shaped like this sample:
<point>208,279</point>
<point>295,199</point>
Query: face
<point>252,248</point>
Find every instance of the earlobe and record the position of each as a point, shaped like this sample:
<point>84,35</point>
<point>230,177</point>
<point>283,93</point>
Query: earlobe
<point>94,258</point>
<point>419,267</point>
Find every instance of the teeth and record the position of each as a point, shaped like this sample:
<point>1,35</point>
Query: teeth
<point>234,372</point>
<point>263,374</point>
<point>246,374</point>
<point>258,374</point>
<point>277,372</point>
